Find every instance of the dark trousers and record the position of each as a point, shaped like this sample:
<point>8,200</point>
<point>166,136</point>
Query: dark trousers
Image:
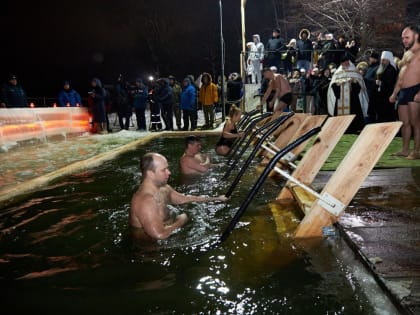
<point>168,116</point>
<point>155,123</point>
<point>124,124</point>
<point>141,118</point>
<point>189,116</point>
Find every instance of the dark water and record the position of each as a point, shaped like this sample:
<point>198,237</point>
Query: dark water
<point>67,250</point>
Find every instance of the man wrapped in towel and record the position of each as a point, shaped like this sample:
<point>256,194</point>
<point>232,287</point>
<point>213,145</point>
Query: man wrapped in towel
<point>347,94</point>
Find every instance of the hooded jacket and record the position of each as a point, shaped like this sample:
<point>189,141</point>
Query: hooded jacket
<point>304,46</point>
<point>208,93</point>
<point>188,96</point>
<point>257,49</point>
<point>163,92</point>
<point>69,97</point>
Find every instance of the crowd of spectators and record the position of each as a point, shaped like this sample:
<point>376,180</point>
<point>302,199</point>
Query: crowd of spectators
<point>308,63</point>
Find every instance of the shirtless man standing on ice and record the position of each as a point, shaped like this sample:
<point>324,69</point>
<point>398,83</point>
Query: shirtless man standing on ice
<point>408,86</point>
<point>283,96</point>
<point>149,213</point>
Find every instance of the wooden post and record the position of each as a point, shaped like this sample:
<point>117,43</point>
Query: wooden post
<point>348,177</point>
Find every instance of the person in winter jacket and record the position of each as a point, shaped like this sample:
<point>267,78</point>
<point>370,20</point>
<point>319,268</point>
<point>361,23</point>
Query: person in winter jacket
<point>176,92</point>
<point>98,95</point>
<point>121,103</point>
<point>69,97</point>
<point>12,94</point>
<point>304,49</point>
<point>164,98</point>
<point>188,104</point>
<point>208,97</point>
<point>256,58</point>
<point>273,50</point>
<point>234,91</point>
<point>139,94</point>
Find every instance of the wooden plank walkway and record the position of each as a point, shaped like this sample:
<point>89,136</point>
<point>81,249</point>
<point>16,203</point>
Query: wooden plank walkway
<point>382,223</point>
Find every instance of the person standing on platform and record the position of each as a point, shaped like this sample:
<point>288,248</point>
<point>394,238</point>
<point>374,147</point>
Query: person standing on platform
<point>176,92</point>
<point>208,97</point>
<point>98,96</point>
<point>139,94</point>
<point>12,94</point>
<point>255,59</point>
<point>347,94</point>
<point>69,97</point>
<point>408,87</point>
<point>188,104</point>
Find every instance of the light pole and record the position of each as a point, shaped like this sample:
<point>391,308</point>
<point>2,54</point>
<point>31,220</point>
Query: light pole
<point>242,58</point>
<point>222,62</point>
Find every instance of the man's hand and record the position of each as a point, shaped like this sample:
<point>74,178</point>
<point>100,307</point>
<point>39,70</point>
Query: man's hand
<point>222,198</point>
<point>393,98</point>
<point>417,97</point>
<point>182,219</point>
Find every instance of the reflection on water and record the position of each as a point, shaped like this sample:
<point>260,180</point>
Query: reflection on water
<point>68,247</point>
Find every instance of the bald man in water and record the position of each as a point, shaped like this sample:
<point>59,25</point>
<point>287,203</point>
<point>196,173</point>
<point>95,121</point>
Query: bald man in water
<point>149,212</point>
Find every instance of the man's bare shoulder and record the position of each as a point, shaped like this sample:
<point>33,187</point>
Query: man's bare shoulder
<point>142,196</point>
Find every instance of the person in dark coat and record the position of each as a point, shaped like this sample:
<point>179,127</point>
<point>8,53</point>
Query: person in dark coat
<point>121,103</point>
<point>165,100</point>
<point>139,94</point>
<point>69,97</point>
<point>234,91</point>
<point>98,95</point>
<point>12,94</point>
<point>304,49</point>
<point>273,50</point>
<point>370,78</point>
<point>386,77</point>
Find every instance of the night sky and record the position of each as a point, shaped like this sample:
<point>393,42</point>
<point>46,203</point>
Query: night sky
<point>46,42</point>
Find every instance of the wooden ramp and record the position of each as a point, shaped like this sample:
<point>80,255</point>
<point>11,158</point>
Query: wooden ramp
<point>309,123</point>
<point>315,157</point>
<point>346,180</point>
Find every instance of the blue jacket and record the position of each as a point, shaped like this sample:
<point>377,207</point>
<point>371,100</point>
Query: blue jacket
<point>69,97</point>
<point>188,98</point>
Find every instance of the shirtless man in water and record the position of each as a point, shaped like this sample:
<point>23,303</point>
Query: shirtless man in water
<point>408,86</point>
<point>149,212</point>
<point>283,92</point>
<point>192,161</point>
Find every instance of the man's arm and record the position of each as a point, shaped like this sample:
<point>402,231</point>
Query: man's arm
<point>147,212</point>
<point>266,94</point>
<point>397,88</point>
<point>195,164</point>
<point>178,198</point>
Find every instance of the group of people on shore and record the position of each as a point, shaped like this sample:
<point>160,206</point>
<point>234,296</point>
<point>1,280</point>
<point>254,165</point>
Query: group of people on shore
<point>331,78</point>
